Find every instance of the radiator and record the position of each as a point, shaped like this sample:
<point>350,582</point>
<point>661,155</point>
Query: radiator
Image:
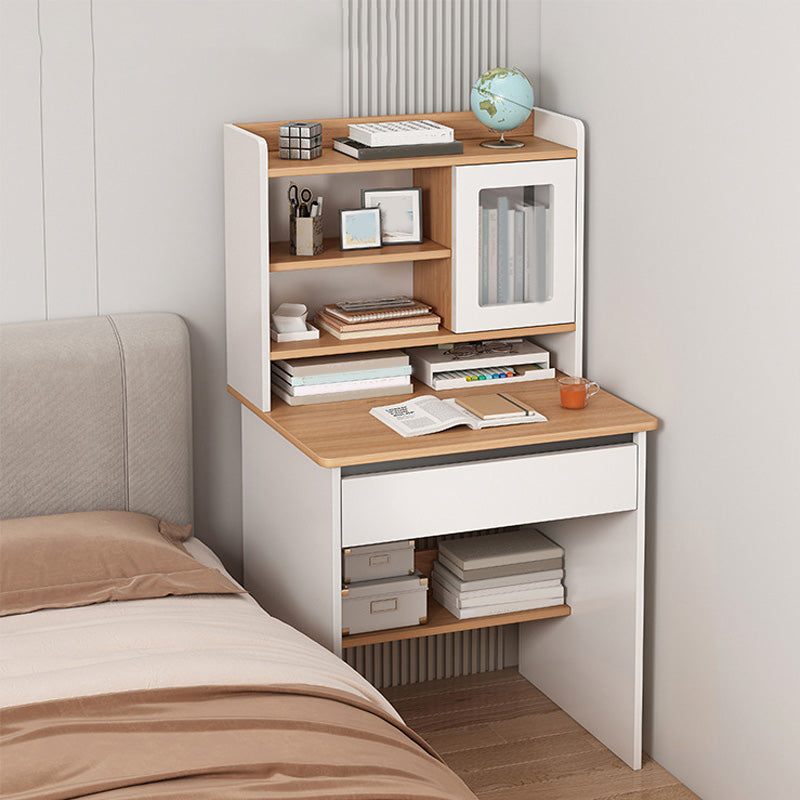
<point>447,655</point>
<point>417,56</point>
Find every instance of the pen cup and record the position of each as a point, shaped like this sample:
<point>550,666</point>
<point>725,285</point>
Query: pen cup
<point>305,235</point>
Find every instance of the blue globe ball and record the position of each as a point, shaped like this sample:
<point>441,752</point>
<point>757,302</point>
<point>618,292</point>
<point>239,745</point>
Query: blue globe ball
<point>502,99</point>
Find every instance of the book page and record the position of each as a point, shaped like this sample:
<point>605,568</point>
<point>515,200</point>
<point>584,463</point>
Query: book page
<point>419,416</point>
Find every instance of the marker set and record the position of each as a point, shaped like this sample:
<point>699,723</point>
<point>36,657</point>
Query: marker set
<point>479,374</point>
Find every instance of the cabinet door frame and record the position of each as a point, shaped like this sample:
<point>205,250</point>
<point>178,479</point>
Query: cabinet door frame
<point>468,182</point>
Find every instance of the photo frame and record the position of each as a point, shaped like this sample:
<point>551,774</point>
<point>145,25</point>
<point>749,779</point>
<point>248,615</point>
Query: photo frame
<point>360,228</point>
<point>401,213</point>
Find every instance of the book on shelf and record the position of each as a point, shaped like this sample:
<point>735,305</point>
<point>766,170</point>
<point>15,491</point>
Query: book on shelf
<point>350,362</point>
<point>365,334</point>
<point>350,147</point>
<point>338,377</point>
<point>354,312</point>
<point>527,597</point>
<point>396,132</point>
<point>445,599</point>
<point>336,397</point>
<point>501,570</point>
<point>339,387</point>
<point>379,324</point>
<point>427,414</point>
<point>491,550</point>
<point>503,583</point>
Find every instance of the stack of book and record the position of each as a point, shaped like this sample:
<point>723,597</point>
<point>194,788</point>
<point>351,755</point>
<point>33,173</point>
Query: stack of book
<point>398,139</point>
<point>329,379</point>
<point>514,232</point>
<point>498,573</point>
<point>394,316</point>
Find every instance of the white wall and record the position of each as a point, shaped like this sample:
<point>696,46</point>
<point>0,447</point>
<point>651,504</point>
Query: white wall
<point>133,99</point>
<point>692,306</point>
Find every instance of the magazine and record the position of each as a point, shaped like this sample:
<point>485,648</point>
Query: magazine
<point>428,414</point>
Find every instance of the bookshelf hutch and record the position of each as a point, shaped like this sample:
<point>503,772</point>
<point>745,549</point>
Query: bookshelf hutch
<point>320,478</point>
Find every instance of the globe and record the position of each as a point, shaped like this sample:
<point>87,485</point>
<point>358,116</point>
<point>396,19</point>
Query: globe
<point>502,99</point>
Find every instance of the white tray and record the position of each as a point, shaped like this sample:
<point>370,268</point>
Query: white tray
<point>295,336</point>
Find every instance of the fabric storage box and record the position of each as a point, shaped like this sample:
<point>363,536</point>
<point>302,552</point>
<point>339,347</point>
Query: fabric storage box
<point>373,561</point>
<point>385,603</point>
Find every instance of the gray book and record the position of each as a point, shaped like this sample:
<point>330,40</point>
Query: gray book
<point>508,582</point>
<point>498,597</point>
<point>446,599</point>
<point>500,549</point>
<point>499,572</point>
<point>325,365</point>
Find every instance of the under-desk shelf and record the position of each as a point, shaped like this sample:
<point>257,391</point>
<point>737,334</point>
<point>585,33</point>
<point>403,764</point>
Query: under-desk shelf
<point>329,345</point>
<point>281,260</point>
<point>440,620</point>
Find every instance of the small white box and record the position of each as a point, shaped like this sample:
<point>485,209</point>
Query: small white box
<point>386,603</point>
<point>374,561</point>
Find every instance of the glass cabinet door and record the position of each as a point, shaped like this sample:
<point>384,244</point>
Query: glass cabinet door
<point>514,245</point>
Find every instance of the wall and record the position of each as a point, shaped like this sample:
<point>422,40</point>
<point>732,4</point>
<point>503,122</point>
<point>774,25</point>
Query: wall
<point>112,177</point>
<point>692,306</point>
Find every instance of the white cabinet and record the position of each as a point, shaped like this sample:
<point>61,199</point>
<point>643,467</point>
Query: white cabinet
<point>514,245</point>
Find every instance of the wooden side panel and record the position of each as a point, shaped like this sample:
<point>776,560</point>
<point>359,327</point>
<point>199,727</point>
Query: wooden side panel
<point>464,123</point>
<point>433,279</point>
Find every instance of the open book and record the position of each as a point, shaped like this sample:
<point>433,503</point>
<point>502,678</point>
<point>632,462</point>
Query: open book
<point>428,414</point>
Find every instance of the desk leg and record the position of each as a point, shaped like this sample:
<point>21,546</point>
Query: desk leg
<point>591,663</point>
<point>292,533</point>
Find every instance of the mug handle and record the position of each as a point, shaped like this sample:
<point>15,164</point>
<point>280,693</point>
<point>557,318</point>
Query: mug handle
<point>594,391</point>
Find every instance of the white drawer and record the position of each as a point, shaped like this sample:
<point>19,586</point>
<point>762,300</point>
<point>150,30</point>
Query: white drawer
<point>412,503</point>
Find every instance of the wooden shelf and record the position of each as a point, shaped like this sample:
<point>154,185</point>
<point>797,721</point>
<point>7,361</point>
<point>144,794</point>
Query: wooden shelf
<point>329,345</point>
<point>343,434</point>
<point>281,260</point>
<point>440,620</point>
<point>332,161</point>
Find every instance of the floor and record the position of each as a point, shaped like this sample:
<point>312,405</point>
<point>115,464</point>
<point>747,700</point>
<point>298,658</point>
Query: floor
<point>508,741</point>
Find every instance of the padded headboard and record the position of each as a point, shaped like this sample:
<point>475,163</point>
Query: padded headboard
<point>95,413</point>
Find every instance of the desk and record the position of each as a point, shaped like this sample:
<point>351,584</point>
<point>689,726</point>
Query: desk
<point>332,476</point>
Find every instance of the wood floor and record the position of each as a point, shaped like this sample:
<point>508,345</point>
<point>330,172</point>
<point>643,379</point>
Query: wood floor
<point>507,741</point>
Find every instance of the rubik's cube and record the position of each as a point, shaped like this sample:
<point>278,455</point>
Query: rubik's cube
<point>300,140</point>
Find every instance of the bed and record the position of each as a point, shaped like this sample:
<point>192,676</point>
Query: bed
<point>126,687</point>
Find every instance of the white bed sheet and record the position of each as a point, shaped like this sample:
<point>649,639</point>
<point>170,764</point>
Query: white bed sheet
<point>193,640</point>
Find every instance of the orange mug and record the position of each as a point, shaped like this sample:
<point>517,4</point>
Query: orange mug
<point>575,392</point>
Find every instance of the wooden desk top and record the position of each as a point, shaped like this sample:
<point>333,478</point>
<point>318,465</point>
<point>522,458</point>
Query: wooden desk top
<point>344,434</point>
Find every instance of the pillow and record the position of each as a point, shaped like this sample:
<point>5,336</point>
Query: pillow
<point>67,560</point>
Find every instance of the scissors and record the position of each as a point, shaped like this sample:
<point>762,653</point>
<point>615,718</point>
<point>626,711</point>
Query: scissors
<point>300,200</point>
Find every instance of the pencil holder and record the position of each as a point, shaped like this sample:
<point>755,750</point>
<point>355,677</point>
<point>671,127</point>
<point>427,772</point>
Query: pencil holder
<point>305,235</point>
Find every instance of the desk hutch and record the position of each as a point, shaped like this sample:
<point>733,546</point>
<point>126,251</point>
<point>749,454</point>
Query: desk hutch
<point>320,478</point>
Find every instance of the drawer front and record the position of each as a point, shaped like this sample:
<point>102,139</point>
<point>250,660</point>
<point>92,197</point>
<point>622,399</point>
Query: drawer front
<point>487,494</point>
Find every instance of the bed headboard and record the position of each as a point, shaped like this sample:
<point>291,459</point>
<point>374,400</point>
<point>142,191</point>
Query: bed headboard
<point>95,413</point>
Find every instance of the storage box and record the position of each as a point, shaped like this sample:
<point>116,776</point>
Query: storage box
<point>385,603</point>
<point>374,561</point>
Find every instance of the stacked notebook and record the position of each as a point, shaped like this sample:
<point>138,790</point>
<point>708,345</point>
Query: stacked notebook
<point>394,316</point>
<point>498,574</point>
<point>398,139</point>
<point>330,379</point>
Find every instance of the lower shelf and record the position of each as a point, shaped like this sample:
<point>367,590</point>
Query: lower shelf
<point>440,620</point>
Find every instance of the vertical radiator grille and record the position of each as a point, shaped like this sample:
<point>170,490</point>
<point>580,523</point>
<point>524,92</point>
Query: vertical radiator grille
<point>447,655</point>
<point>417,56</point>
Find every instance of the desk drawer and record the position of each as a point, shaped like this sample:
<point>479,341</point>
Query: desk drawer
<point>413,503</point>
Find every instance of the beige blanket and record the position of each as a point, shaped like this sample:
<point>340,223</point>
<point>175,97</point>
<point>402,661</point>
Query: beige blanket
<point>230,742</point>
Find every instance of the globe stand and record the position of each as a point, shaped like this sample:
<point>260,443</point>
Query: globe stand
<point>502,143</point>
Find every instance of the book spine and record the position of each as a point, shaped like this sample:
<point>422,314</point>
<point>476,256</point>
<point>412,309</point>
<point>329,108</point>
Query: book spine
<point>491,298</point>
<point>519,256</point>
<point>483,244</point>
<point>503,276</point>
<point>529,259</point>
